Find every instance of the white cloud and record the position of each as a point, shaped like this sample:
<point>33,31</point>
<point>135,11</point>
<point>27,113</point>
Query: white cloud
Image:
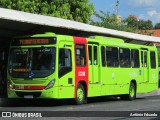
<point>146,9</point>
<point>152,13</point>
<point>144,3</point>
<point>141,16</point>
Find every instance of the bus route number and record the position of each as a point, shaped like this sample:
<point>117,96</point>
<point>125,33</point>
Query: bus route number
<point>81,73</point>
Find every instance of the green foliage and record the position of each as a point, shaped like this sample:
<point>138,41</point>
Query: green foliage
<point>106,20</point>
<point>110,21</point>
<point>157,26</point>
<point>78,10</point>
<point>145,25</point>
<point>132,22</point>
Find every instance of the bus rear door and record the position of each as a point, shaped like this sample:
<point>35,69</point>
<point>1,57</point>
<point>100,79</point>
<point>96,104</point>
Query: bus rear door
<point>94,78</point>
<point>94,66</point>
<point>145,66</point>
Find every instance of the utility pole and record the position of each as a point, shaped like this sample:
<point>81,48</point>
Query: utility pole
<point>116,7</point>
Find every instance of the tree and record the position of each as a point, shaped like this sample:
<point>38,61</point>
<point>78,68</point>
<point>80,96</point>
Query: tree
<point>157,26</point>
<point>78,10</point>
<point>81,10</point>
<point>108,20</point>
<point>132,22</point>
<point>145,25</point>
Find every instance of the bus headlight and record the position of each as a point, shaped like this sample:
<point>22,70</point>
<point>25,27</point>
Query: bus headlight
<point>50,85</point>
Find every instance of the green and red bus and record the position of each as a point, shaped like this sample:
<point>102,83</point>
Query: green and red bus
<point>60,66</point>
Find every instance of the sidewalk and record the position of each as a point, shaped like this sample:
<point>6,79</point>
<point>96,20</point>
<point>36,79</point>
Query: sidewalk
<point>156,92</point>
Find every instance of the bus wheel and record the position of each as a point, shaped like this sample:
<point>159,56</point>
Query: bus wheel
<point>80,95</point>
<point>132,92</point>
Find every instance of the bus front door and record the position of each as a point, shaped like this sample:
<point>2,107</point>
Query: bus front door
<point>66,80</point>
<point>144,64</point>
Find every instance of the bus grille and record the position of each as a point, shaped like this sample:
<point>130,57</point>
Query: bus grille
<point>34,94</point>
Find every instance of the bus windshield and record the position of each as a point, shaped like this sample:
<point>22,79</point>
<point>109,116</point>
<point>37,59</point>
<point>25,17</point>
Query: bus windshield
<point>32,62</point>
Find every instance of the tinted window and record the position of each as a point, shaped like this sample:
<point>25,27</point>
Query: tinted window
<point>112,56</point>
<point>103,56</point>
<point>124,57</point>
<point>135,58</point>
<point>153,59</point>
<point>80,55</point>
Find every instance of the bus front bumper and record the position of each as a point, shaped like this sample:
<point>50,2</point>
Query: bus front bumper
<point>49,93</point>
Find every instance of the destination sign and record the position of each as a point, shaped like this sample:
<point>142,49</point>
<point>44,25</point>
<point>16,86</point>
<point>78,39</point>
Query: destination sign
<point>33,41</point>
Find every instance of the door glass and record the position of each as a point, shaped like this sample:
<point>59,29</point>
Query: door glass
<point>145,59</point>
<point>95,56</point>
<point>90,54</point>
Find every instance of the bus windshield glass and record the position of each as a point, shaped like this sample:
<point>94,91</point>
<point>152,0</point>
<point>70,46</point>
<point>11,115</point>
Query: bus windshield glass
<point>32,62</point>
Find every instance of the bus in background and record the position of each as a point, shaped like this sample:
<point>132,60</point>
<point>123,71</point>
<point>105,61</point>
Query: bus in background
<point>59,67</point>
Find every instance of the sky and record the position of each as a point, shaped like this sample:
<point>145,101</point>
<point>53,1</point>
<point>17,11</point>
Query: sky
<point>143,9</point>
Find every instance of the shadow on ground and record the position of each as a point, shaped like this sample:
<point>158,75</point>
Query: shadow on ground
<point>4,102</point>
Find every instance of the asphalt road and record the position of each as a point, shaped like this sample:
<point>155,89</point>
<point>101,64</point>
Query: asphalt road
<point>103,107</point>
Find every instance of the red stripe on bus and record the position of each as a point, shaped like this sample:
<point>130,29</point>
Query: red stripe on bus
<point>29,87</point>
<point>81,72</point>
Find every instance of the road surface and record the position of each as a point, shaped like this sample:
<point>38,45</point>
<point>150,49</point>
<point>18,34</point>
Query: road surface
<point>97,108</point>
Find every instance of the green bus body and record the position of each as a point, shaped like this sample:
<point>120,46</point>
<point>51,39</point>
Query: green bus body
<point>108,67</point>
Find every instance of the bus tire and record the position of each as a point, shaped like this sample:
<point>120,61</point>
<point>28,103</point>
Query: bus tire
<point>80,95</point>
<point>132,92</point>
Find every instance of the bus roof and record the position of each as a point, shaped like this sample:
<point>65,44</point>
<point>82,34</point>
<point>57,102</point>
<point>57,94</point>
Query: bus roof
<point>117,42</point>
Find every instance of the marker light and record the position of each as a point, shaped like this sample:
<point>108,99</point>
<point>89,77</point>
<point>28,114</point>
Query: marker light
<point>10,85</point>
<point>50,85</point>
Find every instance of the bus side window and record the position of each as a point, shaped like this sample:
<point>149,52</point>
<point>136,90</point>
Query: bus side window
<point>103,57</point>
<point>80,55</point>
<point>124,56</point>
<point>112,56</point>
<point>65,61</point>
<point>135,58</point>
<point>153,60</point>
<point>142,58</point>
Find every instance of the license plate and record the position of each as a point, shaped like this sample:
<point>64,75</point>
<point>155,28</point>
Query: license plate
<point>28,96</point>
